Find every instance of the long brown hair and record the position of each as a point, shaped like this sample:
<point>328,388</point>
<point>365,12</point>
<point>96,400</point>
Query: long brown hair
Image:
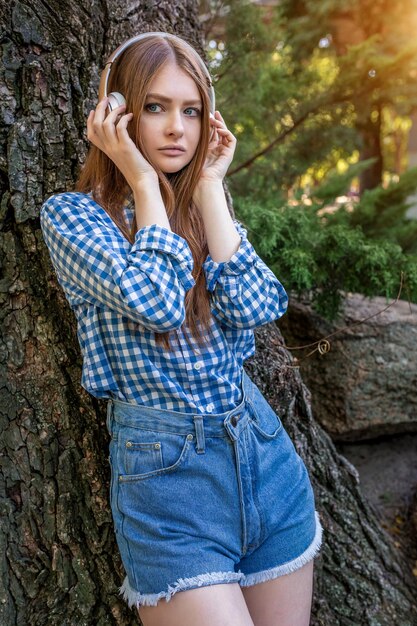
<point>131,75</point>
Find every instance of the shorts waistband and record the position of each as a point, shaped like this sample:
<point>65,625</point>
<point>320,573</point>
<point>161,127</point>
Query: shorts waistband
<point>142,416</point>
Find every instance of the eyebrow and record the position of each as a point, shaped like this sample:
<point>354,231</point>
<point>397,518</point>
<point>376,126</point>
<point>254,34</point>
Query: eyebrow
<point>165,99</point>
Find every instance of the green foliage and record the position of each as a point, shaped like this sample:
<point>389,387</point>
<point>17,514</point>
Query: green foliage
<point>264,99</point>
<point>381,212</point>
<point>321,260</point>
<point>294,86</point>
<point>335,185</point>
<point>306,103</point>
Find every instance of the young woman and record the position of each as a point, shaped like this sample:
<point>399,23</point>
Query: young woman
<point>213,509</point>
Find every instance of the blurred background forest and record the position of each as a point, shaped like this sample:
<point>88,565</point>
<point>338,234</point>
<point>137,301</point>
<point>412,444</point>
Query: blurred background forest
<point>322,95</point>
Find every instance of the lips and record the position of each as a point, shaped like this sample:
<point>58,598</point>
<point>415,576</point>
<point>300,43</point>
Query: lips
<point>172,152</point>
<point>173,148</point>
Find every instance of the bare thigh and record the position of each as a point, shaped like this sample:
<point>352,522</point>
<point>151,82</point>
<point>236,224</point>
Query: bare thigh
<point>214,605</point>
<point>283,601</point>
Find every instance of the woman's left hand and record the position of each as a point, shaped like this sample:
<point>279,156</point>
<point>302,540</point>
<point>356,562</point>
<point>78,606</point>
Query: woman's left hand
<point>220,151</point>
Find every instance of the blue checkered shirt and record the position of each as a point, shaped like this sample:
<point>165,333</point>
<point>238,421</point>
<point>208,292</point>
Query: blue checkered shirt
<point>122,293</point>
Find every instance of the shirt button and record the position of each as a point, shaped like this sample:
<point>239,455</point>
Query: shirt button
<point>209,408</point>
<point>198,365</point>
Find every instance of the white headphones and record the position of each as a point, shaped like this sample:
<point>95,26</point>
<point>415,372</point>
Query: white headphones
<point>116,98</point>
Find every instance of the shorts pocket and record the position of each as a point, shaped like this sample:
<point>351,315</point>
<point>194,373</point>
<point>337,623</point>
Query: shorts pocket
<point>145,453</point>
<point>142,457</point>
<point>264,419</point>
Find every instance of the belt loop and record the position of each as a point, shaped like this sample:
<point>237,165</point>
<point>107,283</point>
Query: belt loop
<point>199,430</point>
<point>247,387</point>
<point>109,416</point>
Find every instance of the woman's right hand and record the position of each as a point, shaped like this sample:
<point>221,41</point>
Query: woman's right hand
<point>111,136</point>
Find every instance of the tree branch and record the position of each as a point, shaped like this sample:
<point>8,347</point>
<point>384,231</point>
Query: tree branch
<point>273,143</point>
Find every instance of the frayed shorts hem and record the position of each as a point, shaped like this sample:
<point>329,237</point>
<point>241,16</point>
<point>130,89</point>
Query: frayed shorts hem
<point>289,566</point>
<point>134,598</point>
<point>137,599</point>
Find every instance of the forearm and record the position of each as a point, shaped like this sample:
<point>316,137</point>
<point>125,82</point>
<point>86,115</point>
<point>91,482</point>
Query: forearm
<point>222,237</point>
<point>149,206</point>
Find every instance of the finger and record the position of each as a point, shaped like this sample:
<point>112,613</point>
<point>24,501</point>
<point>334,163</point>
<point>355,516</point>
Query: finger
<point>221,127</point>
<point>91,133</point>
<point>121,126</point>
<point>98,118</point>
<point>225,132</point>
<point>217,122</point>
<point>100,112</point>
<point>111,121</point>
<point>215,137</point>
<point>90,119</point>
<point>222,120</point>
<point>227,139</point>
<point>112,116</point>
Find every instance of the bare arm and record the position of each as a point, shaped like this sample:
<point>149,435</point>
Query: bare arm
<point>244,291</point>
<point>222,237</point>
<point>149,206</point>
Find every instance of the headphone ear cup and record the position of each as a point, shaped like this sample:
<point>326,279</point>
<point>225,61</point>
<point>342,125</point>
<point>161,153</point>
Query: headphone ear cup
<point>115,100</point>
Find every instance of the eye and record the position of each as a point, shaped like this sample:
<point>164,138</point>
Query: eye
<point>152,104</point>
<point>196,111</point>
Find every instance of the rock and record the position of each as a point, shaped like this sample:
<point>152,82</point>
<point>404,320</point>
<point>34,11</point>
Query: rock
<point>387,468</point>
<point>366,384</point>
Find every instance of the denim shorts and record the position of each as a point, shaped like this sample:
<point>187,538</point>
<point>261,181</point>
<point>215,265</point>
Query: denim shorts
<point>206,499</point>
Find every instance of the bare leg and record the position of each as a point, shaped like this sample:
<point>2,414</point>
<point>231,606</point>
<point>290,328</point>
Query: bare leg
<point>214,605</point>
<point>283,601</point>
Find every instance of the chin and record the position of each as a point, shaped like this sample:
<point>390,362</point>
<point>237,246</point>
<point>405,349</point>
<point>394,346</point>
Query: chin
<point>174,169</point>
<point>171,165</point>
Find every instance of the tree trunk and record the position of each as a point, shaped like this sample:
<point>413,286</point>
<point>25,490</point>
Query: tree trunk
<point>59,562</point>
<point>369,126</point>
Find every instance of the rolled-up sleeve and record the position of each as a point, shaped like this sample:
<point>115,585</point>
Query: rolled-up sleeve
<point>245,293</point>
<point>145,281</point>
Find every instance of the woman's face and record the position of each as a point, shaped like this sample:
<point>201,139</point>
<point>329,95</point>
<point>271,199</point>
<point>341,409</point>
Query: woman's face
<point>171,117</point>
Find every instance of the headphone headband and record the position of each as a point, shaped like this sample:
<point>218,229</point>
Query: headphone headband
<point>108,65</point>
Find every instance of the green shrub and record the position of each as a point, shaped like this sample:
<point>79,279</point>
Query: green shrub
<point>319,259</point>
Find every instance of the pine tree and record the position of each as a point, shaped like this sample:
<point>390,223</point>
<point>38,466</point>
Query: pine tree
<point>317,83</point>
<point>314,84</point>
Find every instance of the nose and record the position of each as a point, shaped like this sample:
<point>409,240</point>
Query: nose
<point>175,124</point>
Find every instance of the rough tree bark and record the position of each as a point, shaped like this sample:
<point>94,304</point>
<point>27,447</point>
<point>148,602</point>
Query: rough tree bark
<point>59,563</point>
